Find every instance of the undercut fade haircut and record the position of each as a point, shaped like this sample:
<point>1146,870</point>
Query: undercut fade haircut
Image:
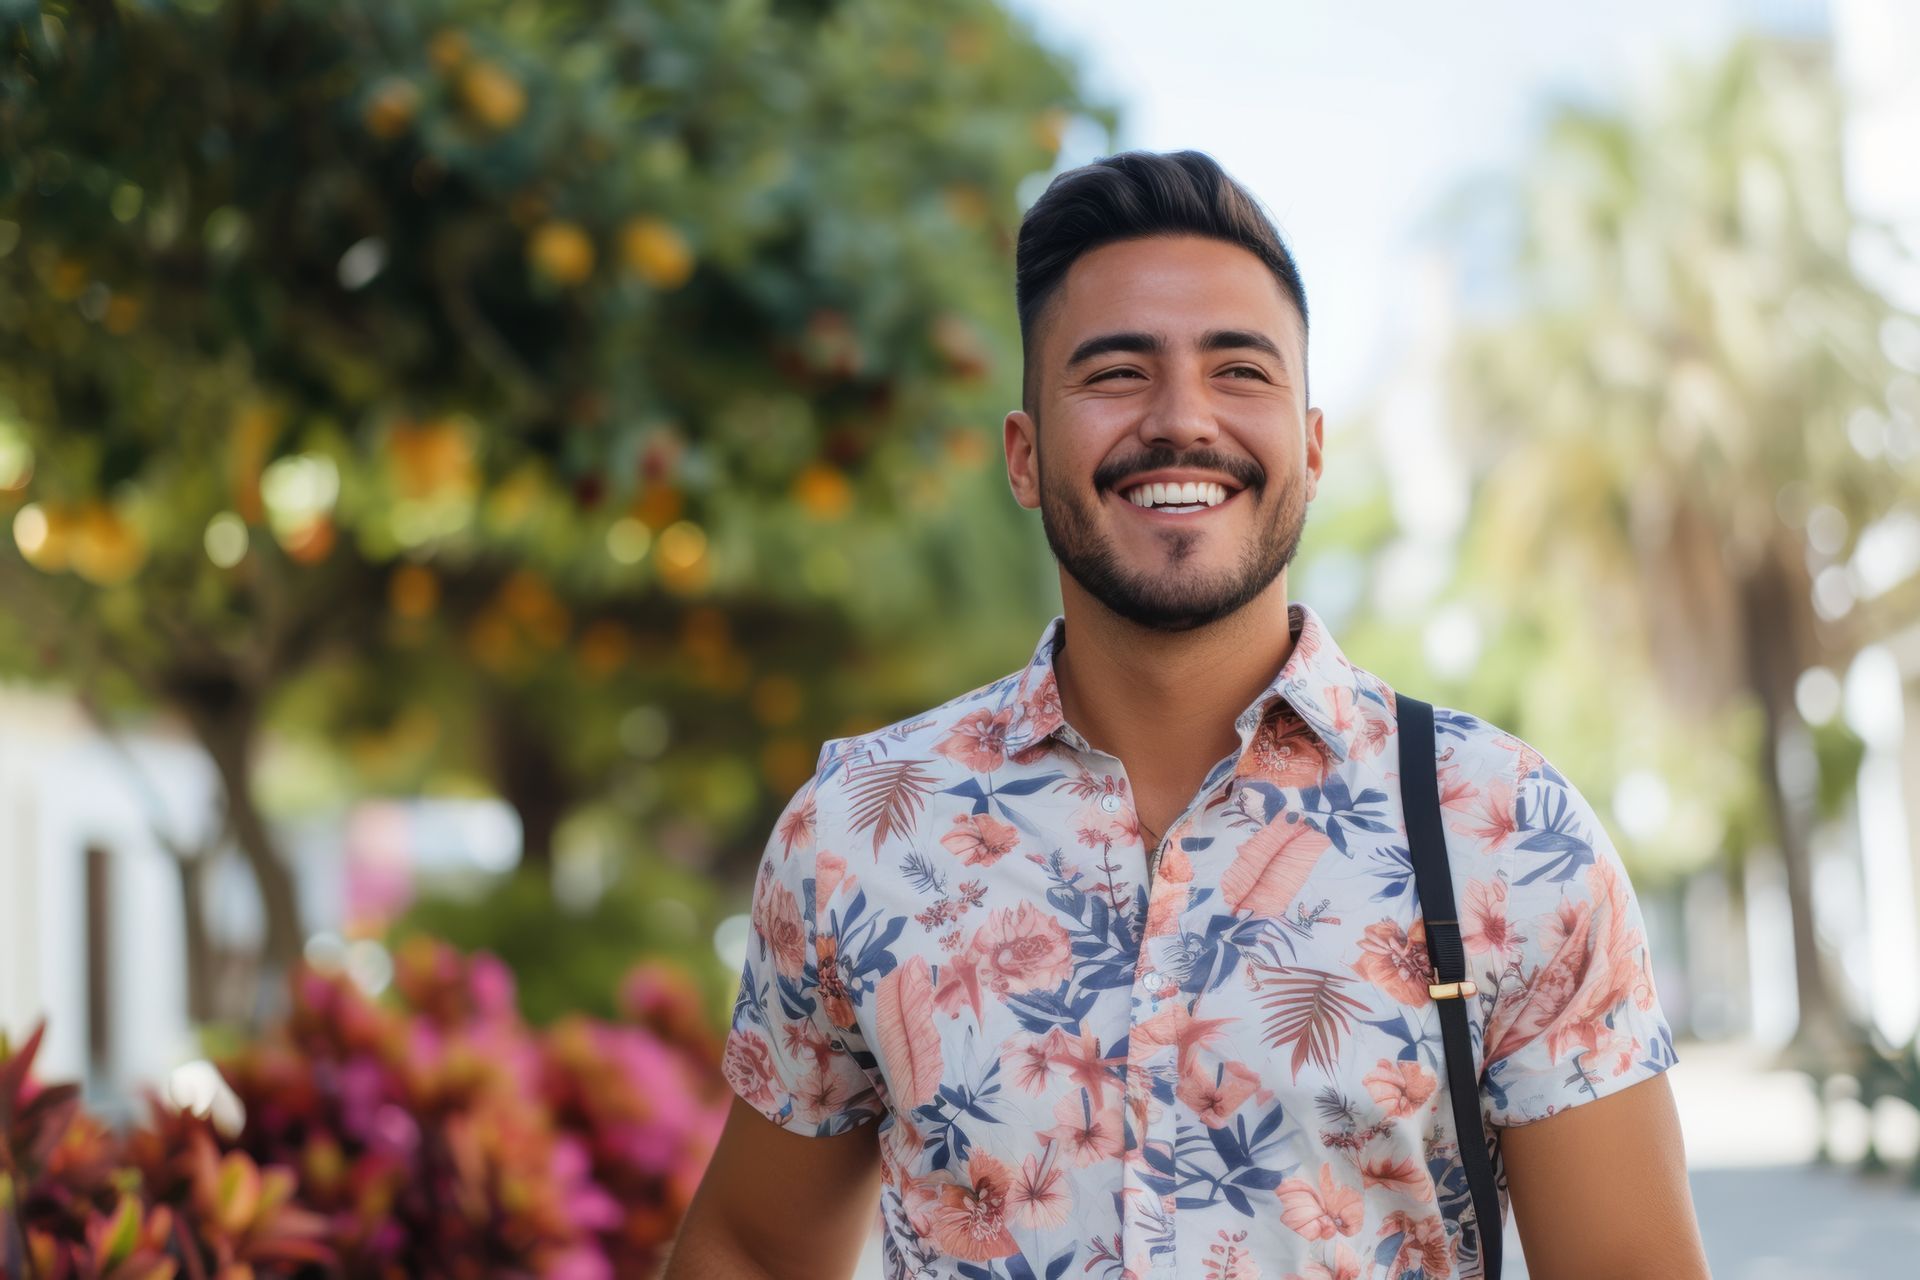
<point>1130,196</point>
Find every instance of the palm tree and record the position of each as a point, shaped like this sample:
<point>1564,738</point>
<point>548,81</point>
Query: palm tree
<point>1659,423</point>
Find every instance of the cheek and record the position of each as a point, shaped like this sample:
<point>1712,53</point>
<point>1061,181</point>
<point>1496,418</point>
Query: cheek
<point>1063,464</point>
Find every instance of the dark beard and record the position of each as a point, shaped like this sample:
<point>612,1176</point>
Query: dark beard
<point>1169,600</point>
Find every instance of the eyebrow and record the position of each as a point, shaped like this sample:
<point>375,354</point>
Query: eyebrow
<point>1142,343</point>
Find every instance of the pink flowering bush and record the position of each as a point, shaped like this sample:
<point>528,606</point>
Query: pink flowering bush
<point>434,1134</point>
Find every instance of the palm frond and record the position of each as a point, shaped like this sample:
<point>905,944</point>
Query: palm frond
<point>888,796</point>
<point>1306,1009</point>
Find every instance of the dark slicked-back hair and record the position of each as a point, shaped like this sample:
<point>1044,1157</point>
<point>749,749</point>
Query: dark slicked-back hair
<point>1129,196</point>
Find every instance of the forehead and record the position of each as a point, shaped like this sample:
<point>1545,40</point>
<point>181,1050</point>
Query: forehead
<point>1170,284</point>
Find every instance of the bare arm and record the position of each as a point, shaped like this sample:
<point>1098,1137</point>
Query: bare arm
<point>779,1205</point>
<point>1599,1191</point>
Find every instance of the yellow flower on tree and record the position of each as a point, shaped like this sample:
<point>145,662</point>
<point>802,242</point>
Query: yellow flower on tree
<point>562,252</point>
<point>656,252</point>
<point>492,96</point>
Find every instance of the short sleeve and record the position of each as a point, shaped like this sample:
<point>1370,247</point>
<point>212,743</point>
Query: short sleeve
<point>790,1052</point>
<point>1557,933</point>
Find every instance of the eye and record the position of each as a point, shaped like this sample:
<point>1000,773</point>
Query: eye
<point>1248,369</point>
<point>1105,374</point>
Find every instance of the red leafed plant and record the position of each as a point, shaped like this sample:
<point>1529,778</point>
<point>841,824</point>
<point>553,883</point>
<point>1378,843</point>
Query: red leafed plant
<point>432,1135</point>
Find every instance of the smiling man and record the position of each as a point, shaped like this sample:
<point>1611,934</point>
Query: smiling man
<point>1119,966</point>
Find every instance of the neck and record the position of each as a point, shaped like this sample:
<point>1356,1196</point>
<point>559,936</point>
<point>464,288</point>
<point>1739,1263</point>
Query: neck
<point>1165,702</point>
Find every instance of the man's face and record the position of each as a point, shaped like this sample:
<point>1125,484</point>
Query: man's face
<point>1162,361</point>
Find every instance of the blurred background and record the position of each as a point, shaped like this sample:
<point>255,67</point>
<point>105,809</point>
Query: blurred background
<point>459,459</point>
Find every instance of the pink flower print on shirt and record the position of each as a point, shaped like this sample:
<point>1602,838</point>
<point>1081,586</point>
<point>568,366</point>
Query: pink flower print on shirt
<point>1424,1248</point>
<point>1215,1094</point>
<point>980,839</point>
<point>1364,725</point>
<point>1040,1196</point>
<point>1036,715</point>
<point>1457,792</point>
<point>1396,960</point>
<point>776,917</point>
<point>1027,1058</point>
<point>1086,1133</point>
<point>1023,949</point>
<point>821,1094</point>
<point>1095,828</point>
<point>748,1067</point>
<point>803,1040</point>
<point>1285,751</point>
<point>1400,1087</point>
<point>1616,1049</point>
<point>1405,1175</point>
<point>959,986</point>
<point>1080,1059</point>
<point>1612,975</point>
<point>1566,1000</point>
<point>969,1221</point>
<point>1491,819</point>
<point>979,741</point>
<point>1177,1026</point>
<point>1323,1212</point>
<point>1487,929</point>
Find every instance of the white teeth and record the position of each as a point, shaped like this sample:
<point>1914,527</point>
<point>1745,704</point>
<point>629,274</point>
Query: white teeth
<point>1192,493</point>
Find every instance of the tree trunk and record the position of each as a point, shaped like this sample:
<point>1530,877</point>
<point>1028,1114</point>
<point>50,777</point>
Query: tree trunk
<point>1825,1029</point>
<point>1822,1034</point>
<point>529,777</point>
<point>228,735</point>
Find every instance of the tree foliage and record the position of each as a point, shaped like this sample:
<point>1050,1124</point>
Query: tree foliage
<point>1686,419</point>
<point>589,399</point>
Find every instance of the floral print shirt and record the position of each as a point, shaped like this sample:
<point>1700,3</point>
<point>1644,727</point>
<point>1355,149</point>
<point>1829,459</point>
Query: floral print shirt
<point>1230,1069</point>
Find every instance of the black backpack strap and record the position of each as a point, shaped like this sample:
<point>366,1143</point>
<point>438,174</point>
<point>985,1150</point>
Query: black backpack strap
<point>1433,881</point>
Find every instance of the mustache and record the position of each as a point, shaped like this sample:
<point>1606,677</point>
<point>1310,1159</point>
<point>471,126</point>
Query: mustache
<point>1245,472</point>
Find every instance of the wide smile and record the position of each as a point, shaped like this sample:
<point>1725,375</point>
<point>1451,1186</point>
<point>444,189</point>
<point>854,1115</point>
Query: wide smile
<point>1163,503</point>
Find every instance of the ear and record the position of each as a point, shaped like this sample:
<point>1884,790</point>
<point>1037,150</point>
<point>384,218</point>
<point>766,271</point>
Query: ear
<point>1023,458</point>
<point>1315,457</point>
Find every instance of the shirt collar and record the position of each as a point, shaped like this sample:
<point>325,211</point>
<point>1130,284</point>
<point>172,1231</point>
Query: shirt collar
<point>1316,682</point>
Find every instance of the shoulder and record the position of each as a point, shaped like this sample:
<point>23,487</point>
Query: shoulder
<point>1503,798</point>
<point>1478,749</point>
<point>922,732</point>
<point>915,747</point>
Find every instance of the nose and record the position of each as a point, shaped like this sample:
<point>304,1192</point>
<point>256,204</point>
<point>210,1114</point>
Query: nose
<point>1179,415</point>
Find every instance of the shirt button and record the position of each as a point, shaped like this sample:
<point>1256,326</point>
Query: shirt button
<point>1110,802</point>
<point>1152,978</point>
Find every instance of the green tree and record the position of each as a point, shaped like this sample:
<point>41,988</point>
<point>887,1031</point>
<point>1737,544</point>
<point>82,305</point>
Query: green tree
<point>1660,428</point>
<point>587,399</point>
